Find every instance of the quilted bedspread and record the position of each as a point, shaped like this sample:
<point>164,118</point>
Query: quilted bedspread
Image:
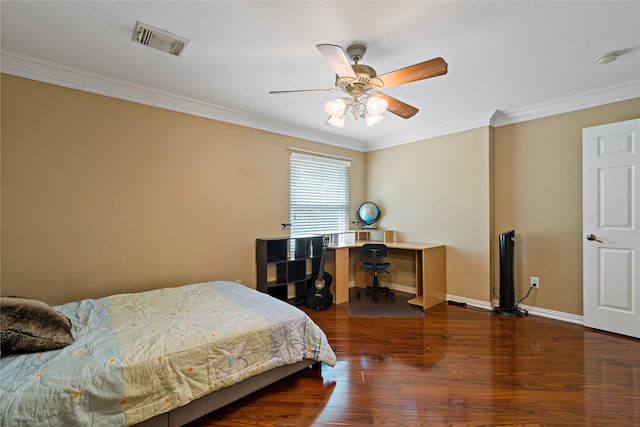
<point>139,355</point>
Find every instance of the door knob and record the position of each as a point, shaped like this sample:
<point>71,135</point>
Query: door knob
<point>592,237</point>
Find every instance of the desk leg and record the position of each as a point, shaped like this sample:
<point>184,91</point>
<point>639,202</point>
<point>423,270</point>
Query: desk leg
<point>431,277</point>
<point>434,276</point>
<point>342,275</point>
<point>418,262</point>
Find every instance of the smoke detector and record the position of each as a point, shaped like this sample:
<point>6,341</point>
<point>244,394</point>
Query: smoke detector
<point>159,39</point>
<point>607,58</point>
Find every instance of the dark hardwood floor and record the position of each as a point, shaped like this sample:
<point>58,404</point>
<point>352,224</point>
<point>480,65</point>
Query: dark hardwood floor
<point>457,366</point>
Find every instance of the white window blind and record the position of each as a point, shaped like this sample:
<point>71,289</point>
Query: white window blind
<point>319,194</point>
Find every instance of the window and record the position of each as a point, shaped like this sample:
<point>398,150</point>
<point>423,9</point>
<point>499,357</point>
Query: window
<point>318,193</point>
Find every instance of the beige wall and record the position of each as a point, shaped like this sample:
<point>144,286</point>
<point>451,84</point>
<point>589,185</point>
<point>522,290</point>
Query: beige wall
<point>102,196</point>
<point>463,189</point>
<point>538,192</point>
<point>438,191</point>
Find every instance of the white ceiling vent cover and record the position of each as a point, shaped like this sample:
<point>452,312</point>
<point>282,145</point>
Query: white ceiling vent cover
<point>160,39</point>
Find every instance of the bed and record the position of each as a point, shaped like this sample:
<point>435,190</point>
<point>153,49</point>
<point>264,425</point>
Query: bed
<point>160,358</point>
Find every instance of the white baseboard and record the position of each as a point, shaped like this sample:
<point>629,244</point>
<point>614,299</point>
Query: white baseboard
<point>486,305</point>
<point>403,288</point>
<point>542,312</point>
<point>472,302</point>
<point>557,315</point>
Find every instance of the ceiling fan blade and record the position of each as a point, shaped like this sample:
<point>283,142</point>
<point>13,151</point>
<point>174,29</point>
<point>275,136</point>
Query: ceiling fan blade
<point>337,60</point>
<point>431,68</point>
<point>399,108</point>
<point>278,92</point>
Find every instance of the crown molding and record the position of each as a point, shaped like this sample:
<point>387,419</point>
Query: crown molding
<point>467,123</point>
<point>49,72</point>
<point>595,98</point>
<point>497,118</point>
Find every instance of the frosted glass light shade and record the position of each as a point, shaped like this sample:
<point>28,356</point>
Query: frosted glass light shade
<point>376,105</point>
<point>373,119</point>
<point>336,121</point>
<point>335,107</point>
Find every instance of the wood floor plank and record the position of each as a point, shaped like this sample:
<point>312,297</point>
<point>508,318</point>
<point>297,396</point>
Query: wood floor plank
<point>456,366</point>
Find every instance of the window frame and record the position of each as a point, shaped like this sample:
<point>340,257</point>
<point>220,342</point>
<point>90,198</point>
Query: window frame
<point>311,210</point>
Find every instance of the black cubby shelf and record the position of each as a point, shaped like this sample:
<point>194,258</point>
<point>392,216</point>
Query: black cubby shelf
<point>286,267</point>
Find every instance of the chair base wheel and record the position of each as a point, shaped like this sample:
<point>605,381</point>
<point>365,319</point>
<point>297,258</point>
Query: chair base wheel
<point>376,292</point>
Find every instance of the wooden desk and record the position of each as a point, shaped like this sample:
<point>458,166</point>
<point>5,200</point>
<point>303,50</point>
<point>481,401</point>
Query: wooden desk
<point>429,262</point>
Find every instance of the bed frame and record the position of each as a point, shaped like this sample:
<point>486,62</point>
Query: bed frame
<point>217,399</point>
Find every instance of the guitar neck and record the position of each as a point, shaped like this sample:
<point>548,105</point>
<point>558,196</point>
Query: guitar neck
<point>325,243</point>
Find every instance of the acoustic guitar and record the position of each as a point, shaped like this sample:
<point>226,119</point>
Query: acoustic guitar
<point>319,296</point>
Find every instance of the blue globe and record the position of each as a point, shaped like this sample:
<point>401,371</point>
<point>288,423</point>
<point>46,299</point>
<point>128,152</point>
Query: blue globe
<point>369,213</point>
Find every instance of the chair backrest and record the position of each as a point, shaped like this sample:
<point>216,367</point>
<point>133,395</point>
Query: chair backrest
<point>375,250</point>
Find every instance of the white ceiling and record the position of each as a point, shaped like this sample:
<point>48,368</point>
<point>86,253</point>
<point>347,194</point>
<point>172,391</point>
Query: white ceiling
<point>507,60</point>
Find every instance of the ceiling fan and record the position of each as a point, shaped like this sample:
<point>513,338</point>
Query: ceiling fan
<point>362,85</point>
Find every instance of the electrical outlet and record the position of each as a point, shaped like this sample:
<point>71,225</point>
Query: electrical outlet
<point>535,282</point>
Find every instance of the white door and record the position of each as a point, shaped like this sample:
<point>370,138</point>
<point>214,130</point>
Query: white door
<point>611,229</point>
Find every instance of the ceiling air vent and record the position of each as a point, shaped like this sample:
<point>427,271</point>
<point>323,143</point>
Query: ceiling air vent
<point>160,39</point>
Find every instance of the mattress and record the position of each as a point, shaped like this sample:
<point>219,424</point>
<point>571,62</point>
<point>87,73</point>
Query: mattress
<point>142,354</point>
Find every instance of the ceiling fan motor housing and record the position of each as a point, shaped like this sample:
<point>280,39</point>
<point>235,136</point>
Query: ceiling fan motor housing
<point>366,80</point>
<point>356,52</point>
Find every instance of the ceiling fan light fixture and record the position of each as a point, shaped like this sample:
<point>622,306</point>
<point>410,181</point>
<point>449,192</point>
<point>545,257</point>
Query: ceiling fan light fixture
<point>373,119</point>
<point>375,105</point>
<point>336,121</point>
<point>361,85</point>
<point>356,111</point>
<point>335,107</point>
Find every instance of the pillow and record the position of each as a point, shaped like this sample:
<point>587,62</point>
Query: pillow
<point>28,325</point>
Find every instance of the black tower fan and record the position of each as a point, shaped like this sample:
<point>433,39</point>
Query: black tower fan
<point>507,306</point>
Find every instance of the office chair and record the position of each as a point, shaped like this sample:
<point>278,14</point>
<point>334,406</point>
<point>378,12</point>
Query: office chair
<point>375,251</point>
